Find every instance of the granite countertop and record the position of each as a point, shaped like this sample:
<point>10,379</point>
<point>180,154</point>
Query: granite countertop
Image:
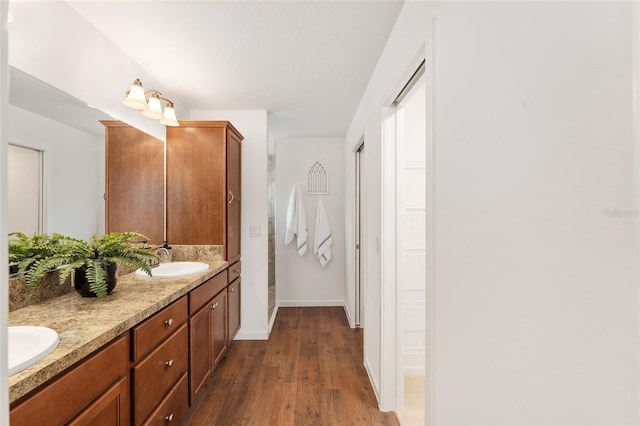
<point>86,324</point>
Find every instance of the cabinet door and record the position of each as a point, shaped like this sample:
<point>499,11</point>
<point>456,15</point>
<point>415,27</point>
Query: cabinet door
<point>234,196</point>
<point>196,183</point>
<point>234,309</point>
<point>200,365</point>
<point>218,327</point>
<point>134,197</point>
<point>111,409</point>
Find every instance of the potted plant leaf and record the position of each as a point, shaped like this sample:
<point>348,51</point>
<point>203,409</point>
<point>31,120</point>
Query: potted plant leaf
<point>93,262</point>
<point>26,250</point>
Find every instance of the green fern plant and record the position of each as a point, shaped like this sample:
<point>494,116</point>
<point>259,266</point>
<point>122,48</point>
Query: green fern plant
<point>94,256</point>
<point>26,250</point>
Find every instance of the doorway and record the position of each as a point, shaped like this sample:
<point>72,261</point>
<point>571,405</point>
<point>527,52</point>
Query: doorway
<point>25,199</point>
<point>410,213</point>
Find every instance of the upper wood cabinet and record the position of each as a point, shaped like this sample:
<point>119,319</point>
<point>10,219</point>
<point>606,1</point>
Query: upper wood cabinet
<point>203,185</point>
<point>134,194</point>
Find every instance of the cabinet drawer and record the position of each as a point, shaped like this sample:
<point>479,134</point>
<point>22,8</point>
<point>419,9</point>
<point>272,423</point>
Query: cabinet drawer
<point>153,330</point>
<point>158,372</point>
<point>173,408</point>
<point>205,291</point>
<point>234,271</point>
<point>57,402</point>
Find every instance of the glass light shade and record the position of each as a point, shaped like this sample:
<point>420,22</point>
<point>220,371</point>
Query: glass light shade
<point>135,97</point>
<point>155,108</point>
<point>169,116</point>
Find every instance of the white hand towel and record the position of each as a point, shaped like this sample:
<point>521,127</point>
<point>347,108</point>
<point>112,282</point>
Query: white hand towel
<point>322,239</point>
<point>292,218</point>
<point>296,221</point>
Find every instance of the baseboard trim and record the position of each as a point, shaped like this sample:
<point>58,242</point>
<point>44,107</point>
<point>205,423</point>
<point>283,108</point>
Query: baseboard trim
<point>374,384</point>
<point>304,303</point>
<point>272,319</point>
<point>252,335</point>
<point>350,319</point>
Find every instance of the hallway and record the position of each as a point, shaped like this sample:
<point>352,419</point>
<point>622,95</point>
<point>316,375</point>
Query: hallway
<point>309,372</point>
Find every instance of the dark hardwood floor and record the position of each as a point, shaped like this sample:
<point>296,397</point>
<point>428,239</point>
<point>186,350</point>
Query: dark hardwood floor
<point>309,372</point>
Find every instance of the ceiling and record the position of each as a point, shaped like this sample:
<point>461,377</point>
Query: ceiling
<point>306,62</point>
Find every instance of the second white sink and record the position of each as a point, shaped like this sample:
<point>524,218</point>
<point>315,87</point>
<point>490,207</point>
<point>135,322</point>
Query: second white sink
<point>28,345</point>
<point>176,269</point>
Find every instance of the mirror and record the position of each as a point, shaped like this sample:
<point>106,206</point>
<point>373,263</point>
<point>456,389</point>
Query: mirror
<point>70,138</point>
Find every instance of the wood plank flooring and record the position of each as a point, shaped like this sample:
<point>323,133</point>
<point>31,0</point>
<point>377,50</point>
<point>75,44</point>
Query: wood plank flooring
<point>308,373</point>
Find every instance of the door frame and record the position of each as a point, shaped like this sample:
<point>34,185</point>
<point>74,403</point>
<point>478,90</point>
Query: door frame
<point>358,253</point>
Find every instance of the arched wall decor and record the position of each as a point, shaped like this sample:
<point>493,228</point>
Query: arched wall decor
<point>317,179</point>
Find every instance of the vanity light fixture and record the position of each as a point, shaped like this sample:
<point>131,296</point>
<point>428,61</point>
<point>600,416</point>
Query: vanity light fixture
<point>151,107</point>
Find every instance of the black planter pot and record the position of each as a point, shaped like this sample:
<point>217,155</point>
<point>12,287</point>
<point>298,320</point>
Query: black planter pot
<point>13,268</point>
<point>81,284</point>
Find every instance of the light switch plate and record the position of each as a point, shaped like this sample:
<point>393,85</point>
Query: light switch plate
<point>255,231</point>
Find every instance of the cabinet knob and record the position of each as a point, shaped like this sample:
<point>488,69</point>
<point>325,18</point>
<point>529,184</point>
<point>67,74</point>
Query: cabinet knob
<point>230,197</point>
<point>169,322</point>
<point>236,271</point>
<point>214,305</point>
<point>169,363</point>
<point>232,289</point>
<point>169,418</point>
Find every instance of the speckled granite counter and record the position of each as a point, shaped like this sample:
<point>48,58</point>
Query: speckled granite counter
<point>86,324</point>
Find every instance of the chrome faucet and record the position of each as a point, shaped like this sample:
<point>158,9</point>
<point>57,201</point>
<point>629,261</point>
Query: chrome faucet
<point>163,253</point>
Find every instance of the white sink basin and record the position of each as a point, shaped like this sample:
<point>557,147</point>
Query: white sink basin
<point>28,345</point>
<point>176,269</point>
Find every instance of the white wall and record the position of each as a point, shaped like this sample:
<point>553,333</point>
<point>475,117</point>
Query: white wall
<point>300,280</point>
<point>74,172</point>
<point>252,124</point>
<point>52,42</point>
<point>534,285</point>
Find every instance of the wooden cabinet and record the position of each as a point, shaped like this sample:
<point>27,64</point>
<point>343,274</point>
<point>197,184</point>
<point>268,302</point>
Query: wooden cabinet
<point>160,351</point>
<point>174,407</point>
<point>234,196</point>
<point>234,300</point>
<point>208,330</point>
<point>149,375</point>
<point>219,327</point>
<point>134,193</point>
<point>110,409</point>
<point>204,185</point>
<point>96,391</point>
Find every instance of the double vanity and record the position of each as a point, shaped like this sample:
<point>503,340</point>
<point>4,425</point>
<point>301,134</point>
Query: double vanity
<point>142,355</point>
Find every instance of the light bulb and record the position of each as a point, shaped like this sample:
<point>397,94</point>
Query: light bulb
<point>169,116</point>
<point>135,96</point>
<point>155,108</point>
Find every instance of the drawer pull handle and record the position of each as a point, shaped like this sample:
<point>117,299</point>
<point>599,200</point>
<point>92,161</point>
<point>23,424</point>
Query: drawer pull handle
<point>231,197</point>
<point>169,418</point>
<point>169,322</point>
<point>214,306</point>
<point>236,271</point>
<point>169,363</point>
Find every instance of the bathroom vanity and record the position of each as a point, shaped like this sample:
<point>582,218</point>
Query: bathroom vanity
<point>138,356</point>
